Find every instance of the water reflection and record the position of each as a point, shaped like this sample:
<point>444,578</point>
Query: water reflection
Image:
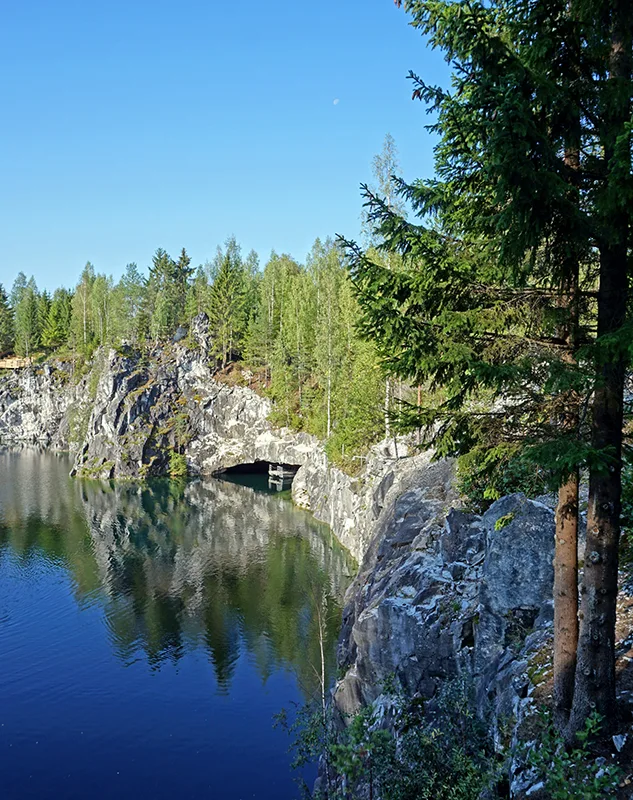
<point>211,565</point>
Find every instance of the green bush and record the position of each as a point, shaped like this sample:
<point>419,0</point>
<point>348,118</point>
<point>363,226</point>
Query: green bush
<point>177,465</point>
<point>447,757</point>
<point>485,475</point>
<point>572,773</point>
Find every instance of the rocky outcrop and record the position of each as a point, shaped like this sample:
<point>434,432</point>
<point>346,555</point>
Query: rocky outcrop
<point>132,413</point>
<point>41,405</point>
<point>444,593</point>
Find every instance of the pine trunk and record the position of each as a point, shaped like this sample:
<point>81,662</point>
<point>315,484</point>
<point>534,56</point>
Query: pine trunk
<point>595,672</point>
<point>566,546</point>
<point>565,599</point>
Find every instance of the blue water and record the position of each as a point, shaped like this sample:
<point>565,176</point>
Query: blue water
<point>148,635</point>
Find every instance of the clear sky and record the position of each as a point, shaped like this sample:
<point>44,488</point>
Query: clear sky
<point>130,125</point>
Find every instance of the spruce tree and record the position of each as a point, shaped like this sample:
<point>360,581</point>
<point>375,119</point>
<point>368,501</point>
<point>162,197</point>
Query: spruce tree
<point>531,116</point>
<point>133,289</point>
<point>227,310</point>
<point>6,323</point>
<point>56,328</point>
<point>161,301</point>
<point>182,275</point>
<point>43,307</point>
<point>197,295</point>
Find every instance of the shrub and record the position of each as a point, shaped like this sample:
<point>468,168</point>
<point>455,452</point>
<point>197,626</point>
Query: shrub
<point>177,465</point>
<point>572,773</point>
<point>447,757</point>
<point>485,475</point>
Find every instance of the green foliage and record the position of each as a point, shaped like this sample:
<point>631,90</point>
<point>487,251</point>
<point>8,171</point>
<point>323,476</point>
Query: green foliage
<point>177,465</point>
<point>626,542</point>
<point>81,322</point>
<point>26,319</point>
<point>488,473</point>
<point>446,757</point>
<point>323,378</point>
<point>228,308</point>
<point>56,329</point>
<point>6,323</point>
<point>572,773</point>
<point>197,295</point>
<point>503,522</point>
<point>165,293</point>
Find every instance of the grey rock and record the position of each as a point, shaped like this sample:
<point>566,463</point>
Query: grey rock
<point>444,593</point>
<point>36,405</point>
<point>181,333</point>
<point>200,332</point>
<point>518,571</point>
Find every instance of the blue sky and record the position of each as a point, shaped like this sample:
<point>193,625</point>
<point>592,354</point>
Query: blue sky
<point>133,125</point>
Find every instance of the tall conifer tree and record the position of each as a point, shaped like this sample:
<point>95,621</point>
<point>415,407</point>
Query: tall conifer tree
<point>510,227</point>
<point>6,323</point>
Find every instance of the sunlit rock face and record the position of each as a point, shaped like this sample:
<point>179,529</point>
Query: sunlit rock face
<point>443,593</point>
<point>35,404</point>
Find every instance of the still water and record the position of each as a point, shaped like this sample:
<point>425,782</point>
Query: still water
<point>149,634</point>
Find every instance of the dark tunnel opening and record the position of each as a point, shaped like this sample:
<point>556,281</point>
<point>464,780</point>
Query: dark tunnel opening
<point>279,476</point>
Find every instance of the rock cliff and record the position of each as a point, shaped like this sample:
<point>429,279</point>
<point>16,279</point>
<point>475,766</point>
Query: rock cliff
<point>130,413</point>
<point>443,593</point>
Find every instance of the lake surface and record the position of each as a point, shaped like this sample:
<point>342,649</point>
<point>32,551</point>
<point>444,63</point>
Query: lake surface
<point>149,633</point>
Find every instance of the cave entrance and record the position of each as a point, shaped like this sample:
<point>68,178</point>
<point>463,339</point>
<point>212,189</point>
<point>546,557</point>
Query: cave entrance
<point>279,476</point>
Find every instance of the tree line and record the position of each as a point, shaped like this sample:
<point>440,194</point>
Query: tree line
<point>292,325</point>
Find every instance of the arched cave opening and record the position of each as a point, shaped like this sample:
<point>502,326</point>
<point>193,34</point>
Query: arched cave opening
<point>280,476</point>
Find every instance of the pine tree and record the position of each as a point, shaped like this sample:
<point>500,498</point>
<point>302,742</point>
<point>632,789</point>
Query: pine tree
<point>507,219</point>
<point>6,323</point>
<point>56,329</point>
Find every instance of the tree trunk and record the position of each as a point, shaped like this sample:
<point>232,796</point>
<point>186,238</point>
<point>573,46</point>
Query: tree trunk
<point>565,599</point>
<point>595,671</point>
<point>566,547</point>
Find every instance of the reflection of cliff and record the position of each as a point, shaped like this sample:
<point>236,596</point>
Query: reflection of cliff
<point>207,564</point>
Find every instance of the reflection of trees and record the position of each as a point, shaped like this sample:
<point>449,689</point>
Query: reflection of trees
<point>178,566</point>
<point>39,512</point>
